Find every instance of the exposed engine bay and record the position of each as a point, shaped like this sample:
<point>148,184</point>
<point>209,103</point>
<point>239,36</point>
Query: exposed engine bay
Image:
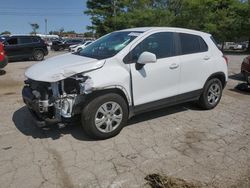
<point>57,100</point>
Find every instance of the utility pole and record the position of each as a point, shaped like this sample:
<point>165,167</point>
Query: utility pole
<point>46,21</point>
<point>114,12</point>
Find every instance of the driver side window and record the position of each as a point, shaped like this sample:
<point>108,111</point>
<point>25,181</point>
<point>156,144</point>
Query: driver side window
<point>161,44</point>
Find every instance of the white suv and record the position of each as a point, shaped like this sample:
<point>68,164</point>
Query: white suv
<point>125,73</point>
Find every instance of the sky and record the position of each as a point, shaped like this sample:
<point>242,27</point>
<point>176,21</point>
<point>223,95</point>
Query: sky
<point>16,15</point>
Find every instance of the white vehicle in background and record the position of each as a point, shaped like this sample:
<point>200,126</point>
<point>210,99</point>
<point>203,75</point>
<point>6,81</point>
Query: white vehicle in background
<point>232,46</point>
<point>125,73</point>
<point>77,48</point>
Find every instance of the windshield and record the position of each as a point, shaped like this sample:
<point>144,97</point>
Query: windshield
<point>109,45</point>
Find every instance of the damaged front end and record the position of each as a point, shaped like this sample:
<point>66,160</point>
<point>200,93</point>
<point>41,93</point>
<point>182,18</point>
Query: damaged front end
<point>57,102</point>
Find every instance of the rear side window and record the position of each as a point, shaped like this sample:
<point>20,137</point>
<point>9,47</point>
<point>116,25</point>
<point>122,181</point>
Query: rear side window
<point>160,44</point>
<point>35,40</point>
<point>192,44</point>
<point>25,40</point>
<point>77,41</point>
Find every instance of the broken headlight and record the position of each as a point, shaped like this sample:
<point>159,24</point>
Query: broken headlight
<point>78,84</point>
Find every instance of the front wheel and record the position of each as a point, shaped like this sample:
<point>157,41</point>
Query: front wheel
<point>105,116</point>
<point>211,94</point>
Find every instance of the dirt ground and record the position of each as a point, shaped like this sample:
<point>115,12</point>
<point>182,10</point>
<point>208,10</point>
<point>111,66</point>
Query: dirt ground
<point>210,147</point>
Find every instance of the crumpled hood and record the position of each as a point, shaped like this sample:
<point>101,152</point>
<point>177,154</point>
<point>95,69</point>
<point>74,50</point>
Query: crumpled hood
<point>62,66</point>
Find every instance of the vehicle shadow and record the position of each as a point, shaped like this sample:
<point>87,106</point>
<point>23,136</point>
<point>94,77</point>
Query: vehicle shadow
<point>2,72</point>
<point>242,88</point>
<point>20,60</point>
<point>161,112</point>
<point>238,77</point>
<point>24,122</point>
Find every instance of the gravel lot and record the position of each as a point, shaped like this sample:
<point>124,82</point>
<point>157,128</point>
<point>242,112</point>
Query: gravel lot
<point>212,147</point>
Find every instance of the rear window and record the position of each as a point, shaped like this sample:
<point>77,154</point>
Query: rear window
<point>192,44</point>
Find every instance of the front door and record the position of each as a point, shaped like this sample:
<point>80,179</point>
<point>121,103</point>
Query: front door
<point>158,81</point>
<point>11,47</point>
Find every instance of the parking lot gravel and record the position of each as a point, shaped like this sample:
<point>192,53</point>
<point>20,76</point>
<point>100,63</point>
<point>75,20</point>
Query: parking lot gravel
<point>212,147</point>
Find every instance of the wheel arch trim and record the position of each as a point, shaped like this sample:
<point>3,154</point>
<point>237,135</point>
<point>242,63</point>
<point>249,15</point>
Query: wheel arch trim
<point>116,89</point>
<point>220,75</point>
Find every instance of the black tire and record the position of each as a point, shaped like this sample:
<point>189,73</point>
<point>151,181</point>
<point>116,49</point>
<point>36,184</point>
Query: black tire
<point>38,55</point>
<point>90,113</point>
<point>206,101</point>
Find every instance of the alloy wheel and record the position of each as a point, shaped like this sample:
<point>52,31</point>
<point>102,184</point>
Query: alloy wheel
<point>214,93</point>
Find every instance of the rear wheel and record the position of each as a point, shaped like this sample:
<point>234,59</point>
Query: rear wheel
<point>105,116</point>
<point>211,95</point>
<point>38,55</point>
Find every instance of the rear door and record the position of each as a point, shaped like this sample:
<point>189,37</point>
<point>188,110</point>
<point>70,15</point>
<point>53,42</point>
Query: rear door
<point>195,62</point>
<point>26,46</point>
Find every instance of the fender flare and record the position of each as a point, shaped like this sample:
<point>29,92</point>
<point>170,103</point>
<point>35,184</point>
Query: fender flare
<point>220,75</point>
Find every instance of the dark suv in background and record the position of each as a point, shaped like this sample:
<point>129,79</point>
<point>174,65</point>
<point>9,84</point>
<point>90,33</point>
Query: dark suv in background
<point>58,45</point>
<point>20,47</point>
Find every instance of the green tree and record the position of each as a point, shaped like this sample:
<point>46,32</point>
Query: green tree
<point>225,19</point>
<point>101,13</point>
<point>244,22</point>
<point>6,33</point>
<point>88,34</point>
<point>34,27</point>
<point>110,15</point>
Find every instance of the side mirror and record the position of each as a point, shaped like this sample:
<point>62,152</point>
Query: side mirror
<point>147,57</point>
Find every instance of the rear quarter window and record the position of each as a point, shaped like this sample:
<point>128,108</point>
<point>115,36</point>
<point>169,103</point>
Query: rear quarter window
<point>190,44</point>
<point>35,39</point>
<point>214,41</point>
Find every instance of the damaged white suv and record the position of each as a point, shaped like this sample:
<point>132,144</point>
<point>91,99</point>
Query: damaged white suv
<point>125,73</point>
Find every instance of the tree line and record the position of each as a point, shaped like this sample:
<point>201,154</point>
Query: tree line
<point>227,20</point>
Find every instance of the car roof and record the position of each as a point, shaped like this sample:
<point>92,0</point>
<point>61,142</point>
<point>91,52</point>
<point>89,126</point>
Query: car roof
<point>175,29</point>
<point>17,35</point>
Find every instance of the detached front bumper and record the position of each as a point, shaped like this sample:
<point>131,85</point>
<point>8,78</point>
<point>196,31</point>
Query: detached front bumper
<point>54,111</point>
<point>32,103</point>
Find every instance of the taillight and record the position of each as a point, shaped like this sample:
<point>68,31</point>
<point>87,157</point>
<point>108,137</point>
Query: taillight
<point>226,59</point>
<point>1,49</point>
